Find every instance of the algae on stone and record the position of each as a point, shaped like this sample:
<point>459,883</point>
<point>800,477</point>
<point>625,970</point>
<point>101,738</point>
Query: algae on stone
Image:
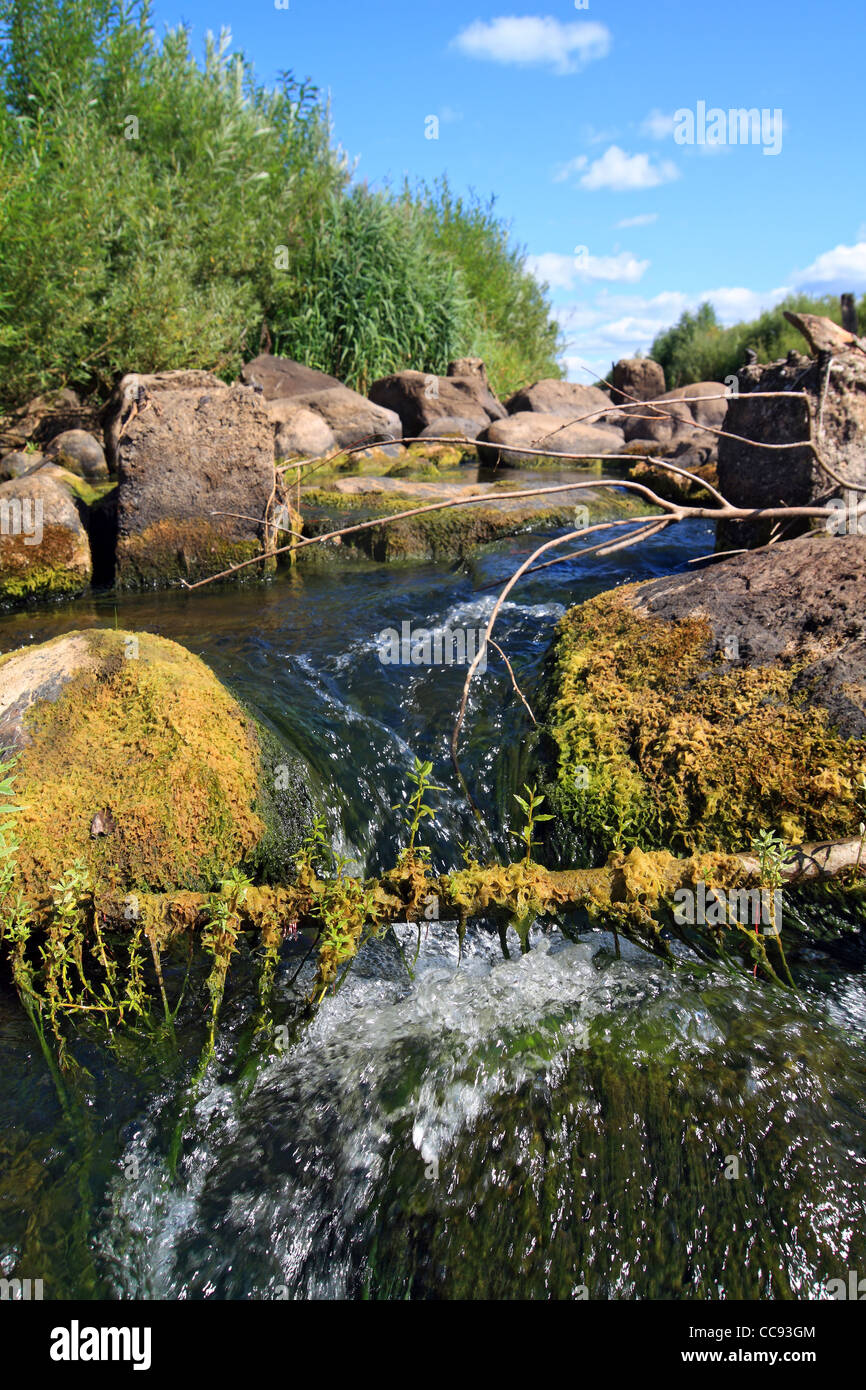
<point>658,745</point>
<point>138,731</point>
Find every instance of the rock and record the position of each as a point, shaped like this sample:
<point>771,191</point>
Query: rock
<point>419,399</point>
<point>133,392</point>
<point>555,397</point>
<point>281,378</point>
<point>80,453</point>
<point>822,335</point>
<point>185,462</point>
<point>300,432</point>
<point>750,476</point>
<point>352,418</point>
<point>44,549</point>
<point>650,425</point>
<point>638,379</point>
<point>447,425</point>
<point>710,705</point>
<point>135,726</point>
<point>442,536</point>
<point>530,430</point>
<point>18,462</point>
<point>701,402</point>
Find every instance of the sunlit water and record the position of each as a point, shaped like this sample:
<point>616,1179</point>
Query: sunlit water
<point>556,1125</point>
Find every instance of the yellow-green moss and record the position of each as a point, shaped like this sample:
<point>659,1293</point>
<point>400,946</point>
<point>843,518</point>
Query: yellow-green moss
<point>145,732</point>
<point>451,532</point>
<point>170,550</point>
<point>681,753</point>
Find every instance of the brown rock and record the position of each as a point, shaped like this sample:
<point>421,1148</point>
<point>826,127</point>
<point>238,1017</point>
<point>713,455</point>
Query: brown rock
<point>555,397</point>
<point>280,377</point>
<point>822,335</point>
<point>80,453</point>
<point>419,398</point>
<point>751,476</point>
<point>803,601</point>
<point>352,418</point>
<point>186,462</point>
<point>133,394</point>
<point>637,379</point>
<point>44,550</point>
<point>556,433</point>
<point>299,430</point>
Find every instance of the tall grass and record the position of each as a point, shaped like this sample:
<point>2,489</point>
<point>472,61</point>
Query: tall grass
<point>160,212</point>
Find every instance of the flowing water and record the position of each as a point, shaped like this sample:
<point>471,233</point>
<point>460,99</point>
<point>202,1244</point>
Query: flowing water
<point>560,1124</point>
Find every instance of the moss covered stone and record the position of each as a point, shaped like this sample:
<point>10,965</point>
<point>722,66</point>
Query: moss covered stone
<point>452,532</point>
<point>134,759</point>
<point>660,741</point>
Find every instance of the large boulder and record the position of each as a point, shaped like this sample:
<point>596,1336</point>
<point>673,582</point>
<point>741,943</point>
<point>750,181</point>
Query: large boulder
<point>196,474</point>
<point>351,417</point>
<point>696,710</point>
<point>136,392</point>
<point>548,434</point>
<point>133,758</point>
<point>44,547</point>
<point>280,377</point>
<point>80,453</point>
<point>828,399</point>
<point>419,398</point>
<point>637,379</point>
<point>556,397</point>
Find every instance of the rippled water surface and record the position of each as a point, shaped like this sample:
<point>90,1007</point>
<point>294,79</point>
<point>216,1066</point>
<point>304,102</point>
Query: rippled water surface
<point>559,1124</point>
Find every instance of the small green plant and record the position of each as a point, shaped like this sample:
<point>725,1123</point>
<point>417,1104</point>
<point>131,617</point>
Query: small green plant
<point>772,851</point>
<point>417,808</point>
<point>529,805</point>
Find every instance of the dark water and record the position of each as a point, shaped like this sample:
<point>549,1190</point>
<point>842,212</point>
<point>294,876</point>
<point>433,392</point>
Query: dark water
<point>556,1125</point>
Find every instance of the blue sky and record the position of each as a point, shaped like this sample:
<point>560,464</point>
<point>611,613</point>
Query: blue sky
<point>567,115</point>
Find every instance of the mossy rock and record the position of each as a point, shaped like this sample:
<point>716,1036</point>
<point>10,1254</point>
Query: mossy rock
<point>659,741</point>
<point>132,757</point>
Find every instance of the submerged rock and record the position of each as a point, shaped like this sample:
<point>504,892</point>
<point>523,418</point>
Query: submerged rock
<point>132,734</point>
<point>693,711</point>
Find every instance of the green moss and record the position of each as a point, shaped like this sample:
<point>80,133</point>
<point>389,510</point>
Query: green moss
<point>449,533</point>
<point>679,752</point>
<point>53,569</point>
<point>145,731</point>
<point>171,550</point>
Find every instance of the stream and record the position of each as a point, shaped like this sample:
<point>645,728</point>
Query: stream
<point>565,1124</point>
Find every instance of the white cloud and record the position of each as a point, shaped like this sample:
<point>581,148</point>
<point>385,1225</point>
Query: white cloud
<point>533,40</point>
<point>573,166</point>
<point>617,325</point>
<point>561,272</point>
<point>843,268</point>
<point>643,219</point>
<point>620,172</point>
<point>657,125</point>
